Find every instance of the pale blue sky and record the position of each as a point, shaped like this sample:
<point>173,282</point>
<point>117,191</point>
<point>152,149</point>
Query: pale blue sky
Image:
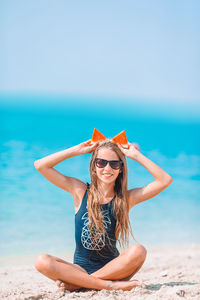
<point>134,49</point>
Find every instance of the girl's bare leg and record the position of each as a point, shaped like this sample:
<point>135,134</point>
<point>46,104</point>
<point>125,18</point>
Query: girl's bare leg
<point>125,265</point>
<point>70,274</point>
<point>72,287</point>
<point>64,285</point>
<point>74,277</point>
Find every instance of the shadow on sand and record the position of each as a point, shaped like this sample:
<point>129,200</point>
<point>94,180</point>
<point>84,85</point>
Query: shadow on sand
<point>156,287</point>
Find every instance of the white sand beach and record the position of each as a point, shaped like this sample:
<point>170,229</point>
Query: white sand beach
<point>169,272</point>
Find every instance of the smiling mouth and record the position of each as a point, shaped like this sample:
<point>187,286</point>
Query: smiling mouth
<point>108,175</point>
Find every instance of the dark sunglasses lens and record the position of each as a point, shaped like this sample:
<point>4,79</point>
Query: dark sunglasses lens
<point>101,163</point>
<point>115,164</point>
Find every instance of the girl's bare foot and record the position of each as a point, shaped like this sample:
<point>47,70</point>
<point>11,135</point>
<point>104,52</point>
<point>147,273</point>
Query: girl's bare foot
<point>125,285</point>
<point>112,285</point>
<point>62,286</point>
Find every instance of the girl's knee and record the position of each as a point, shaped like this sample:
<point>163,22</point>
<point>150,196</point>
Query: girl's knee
<point>141,250</point>
<point>137,251</point>
<point>42,262</point>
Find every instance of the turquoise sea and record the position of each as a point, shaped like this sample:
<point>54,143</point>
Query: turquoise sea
<point>38,217</point>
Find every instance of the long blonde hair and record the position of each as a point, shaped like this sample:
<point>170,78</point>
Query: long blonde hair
<point>120,203</point>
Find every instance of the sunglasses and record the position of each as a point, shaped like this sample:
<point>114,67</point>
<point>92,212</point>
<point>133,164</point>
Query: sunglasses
<point>115,164</point>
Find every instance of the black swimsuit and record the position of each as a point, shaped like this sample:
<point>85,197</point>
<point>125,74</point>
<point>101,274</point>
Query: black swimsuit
<point>94,254</point>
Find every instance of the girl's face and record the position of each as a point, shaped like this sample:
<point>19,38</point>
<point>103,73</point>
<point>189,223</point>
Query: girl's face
<point>107,174</point>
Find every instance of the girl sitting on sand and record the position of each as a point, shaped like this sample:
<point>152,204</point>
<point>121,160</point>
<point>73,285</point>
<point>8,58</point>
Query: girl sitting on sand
<point>101,217</point>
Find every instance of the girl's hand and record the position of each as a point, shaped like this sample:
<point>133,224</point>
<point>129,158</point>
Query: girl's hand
<point>131,151</point>
<point>87,147</point>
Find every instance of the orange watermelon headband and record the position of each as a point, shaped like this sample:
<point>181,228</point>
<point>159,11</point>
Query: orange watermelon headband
<point>119,138</point>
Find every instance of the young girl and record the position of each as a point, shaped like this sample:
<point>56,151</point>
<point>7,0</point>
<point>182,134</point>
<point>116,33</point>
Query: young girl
<point>101,217</point>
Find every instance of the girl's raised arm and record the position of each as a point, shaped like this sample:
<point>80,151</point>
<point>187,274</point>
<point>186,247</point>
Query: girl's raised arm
<point>161,182</point>
<point>70,184</point>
